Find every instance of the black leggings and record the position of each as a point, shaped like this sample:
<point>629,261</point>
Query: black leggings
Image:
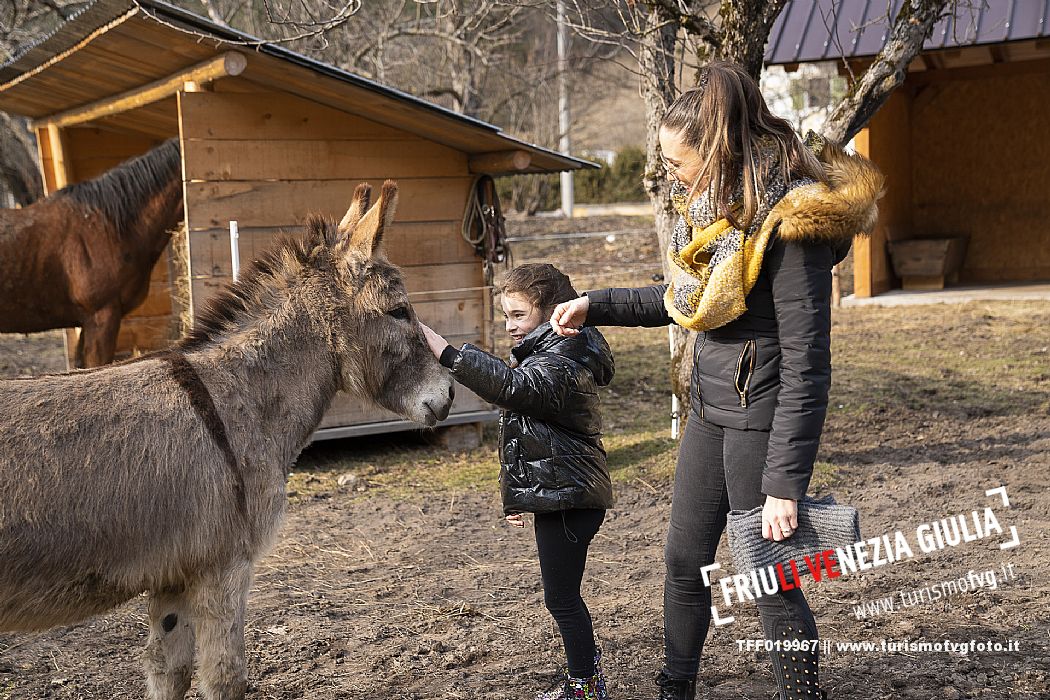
<point>718,469</point>
<point>562,539</point>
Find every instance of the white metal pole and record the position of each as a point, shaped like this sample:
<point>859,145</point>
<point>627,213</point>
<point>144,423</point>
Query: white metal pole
<point>674,396</point>
<point>235,256</point>
<point>567,194</point>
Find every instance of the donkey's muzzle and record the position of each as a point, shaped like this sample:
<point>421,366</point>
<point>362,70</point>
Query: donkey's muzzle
<point>439,408</point>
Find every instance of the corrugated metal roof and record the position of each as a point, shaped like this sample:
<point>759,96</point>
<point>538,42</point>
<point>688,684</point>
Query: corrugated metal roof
<point>818,30</point>
<point>96,16</point>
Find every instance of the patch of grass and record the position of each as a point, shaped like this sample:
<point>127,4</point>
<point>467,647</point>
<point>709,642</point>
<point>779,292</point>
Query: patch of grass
<point>636,448</point>
<point>401,465</point>
<point>825,475</point>
<point>982,358</point>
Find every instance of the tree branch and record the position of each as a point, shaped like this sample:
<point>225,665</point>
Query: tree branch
<point>689,16</point>
<point>911,27</point>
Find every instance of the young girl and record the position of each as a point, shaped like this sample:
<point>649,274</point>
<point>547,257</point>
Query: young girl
<point>762,220</point>
<point>552,461</point>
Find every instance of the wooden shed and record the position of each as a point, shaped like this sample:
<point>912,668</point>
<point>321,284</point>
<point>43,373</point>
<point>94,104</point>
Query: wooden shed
<point>962,142</point>
<point>267,137</point>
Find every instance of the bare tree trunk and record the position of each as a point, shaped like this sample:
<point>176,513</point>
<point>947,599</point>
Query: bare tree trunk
<point>656,61</point>
<point>18,167</point>
<point>746,26</point>
<point>911,27</point>
<point>745,30</point>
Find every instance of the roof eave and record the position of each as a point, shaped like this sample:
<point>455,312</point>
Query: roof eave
<point>98,15</point>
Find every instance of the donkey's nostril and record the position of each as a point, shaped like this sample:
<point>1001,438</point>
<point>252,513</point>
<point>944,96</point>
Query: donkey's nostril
<point>451,391</point>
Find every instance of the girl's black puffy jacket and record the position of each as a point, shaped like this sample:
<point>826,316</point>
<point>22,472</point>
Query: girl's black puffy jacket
<point>551,452</point>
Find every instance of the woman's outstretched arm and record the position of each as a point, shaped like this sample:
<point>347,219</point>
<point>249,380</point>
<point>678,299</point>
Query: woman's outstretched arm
<point>631,306</point>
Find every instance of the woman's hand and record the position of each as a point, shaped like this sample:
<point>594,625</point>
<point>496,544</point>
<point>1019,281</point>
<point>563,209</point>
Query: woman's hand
<point>779,518</point>
<point>516,520</point>
<point>569,316</point>
<point>436,342</point>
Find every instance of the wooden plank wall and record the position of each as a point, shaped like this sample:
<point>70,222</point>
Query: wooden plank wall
<point>91,152</point>
<point>887,142</point>
<point>980,168</point>
<point>268,160</point>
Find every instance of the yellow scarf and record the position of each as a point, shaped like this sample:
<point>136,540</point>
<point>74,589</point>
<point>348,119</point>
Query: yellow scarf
<point>720,289</point>
<point>714,266</point>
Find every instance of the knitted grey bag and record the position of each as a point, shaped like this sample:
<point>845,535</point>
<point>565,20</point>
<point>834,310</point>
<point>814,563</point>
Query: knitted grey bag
<point>822,524</point>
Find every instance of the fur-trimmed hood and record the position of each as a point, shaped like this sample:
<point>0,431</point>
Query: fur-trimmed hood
<point>836,211</point>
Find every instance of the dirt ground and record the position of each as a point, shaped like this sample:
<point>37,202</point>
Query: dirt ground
<point>403,581</point>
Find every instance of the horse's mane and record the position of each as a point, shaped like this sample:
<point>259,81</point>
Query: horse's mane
<point>227,310</point>
<point>121,193</point>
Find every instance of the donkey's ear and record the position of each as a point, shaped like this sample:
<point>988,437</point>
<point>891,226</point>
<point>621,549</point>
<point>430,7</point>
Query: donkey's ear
<point>358,207</point>
<point>368,235</point>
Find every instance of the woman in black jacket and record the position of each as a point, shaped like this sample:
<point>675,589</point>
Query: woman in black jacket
<point>552,461</point>
<point>762,220</point>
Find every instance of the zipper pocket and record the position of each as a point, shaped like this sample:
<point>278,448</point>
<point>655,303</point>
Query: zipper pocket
<point>695,378</point>
<point>742,390</point>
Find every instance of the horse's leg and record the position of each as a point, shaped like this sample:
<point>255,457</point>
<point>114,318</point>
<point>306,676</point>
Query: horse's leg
<point>99,336</point>
<point>218,614</point>
<point>169,653</point>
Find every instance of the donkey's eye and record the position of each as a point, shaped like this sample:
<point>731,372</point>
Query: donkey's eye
<point>400,313</point>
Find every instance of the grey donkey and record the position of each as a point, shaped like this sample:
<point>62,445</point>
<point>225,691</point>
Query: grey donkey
<point>166,473</point>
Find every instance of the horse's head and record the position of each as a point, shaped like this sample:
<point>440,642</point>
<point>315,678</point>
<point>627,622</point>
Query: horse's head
<point>380,349</point>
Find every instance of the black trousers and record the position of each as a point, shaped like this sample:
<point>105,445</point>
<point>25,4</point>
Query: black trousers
<point>562,539</point>
<point>719,469</point>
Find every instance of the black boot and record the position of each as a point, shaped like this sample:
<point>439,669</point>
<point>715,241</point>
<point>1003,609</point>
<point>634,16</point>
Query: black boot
<point>675,688</point>
<point>796,671</point>
<point>797,676</point>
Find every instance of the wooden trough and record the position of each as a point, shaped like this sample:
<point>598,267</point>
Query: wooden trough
<point>267,137</point>
<point>927,263</point>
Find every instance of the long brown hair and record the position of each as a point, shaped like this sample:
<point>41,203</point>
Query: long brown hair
<point>723,119</point>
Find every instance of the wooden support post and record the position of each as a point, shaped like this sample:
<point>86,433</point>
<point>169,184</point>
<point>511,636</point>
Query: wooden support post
<point>51,142</point>
<point>59,161</point>
<point>836,287</point>
<point>43,152</point>
<point>499,162</point>
<point>230,63</point>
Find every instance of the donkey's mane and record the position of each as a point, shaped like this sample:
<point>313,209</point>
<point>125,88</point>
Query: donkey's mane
<point>227,310</point>
<point>121,193</point>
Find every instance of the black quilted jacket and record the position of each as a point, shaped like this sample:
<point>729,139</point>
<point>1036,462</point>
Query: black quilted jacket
<point>551,452</point>
<point>770,369</point>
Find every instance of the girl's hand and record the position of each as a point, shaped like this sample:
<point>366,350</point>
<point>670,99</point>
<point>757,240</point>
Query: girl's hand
<point>569,316</point>
<point>436,342</point>
<point>779,518</point>
<point>516,520</point>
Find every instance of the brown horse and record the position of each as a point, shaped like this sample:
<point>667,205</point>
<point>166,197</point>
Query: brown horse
<point>166,473</point>
<point>83,256</point>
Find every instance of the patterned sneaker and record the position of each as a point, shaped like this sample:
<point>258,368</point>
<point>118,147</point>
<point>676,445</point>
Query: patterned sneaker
<point>569,688</point>
<point>598,673</point>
